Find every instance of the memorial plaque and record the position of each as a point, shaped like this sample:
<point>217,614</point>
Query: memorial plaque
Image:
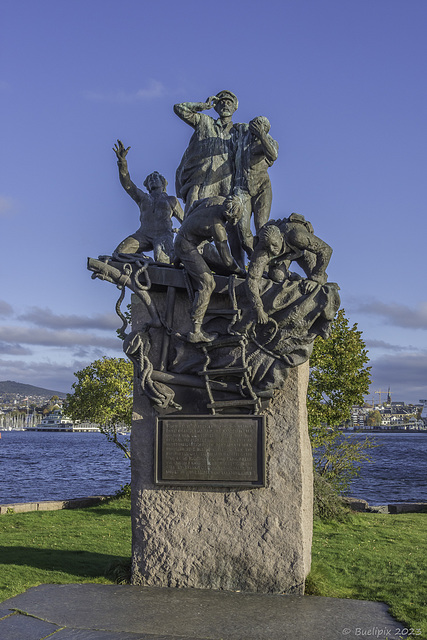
<point>221,451</point>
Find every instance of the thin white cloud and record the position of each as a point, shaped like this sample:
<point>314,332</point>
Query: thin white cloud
<point>8,206</point>
<point>155,89</point>
<point>48,319</point>
<point>398,315</point>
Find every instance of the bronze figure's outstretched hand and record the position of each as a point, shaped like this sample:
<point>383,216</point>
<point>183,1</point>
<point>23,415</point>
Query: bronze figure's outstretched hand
<point>120,151</point>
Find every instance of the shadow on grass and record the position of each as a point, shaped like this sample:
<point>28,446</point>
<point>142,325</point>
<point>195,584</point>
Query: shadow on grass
<point>86,564</point>
<point>96,511</point>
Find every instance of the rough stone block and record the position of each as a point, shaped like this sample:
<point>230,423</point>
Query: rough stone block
<point>18,507</point>
<point>408,507</point>
<point>381,508</point>
<point>255,540</point>
<point>356,504</point>
<point>52,505</point>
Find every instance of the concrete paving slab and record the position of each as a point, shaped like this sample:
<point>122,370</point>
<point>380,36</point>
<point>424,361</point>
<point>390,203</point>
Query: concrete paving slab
<point>87,634</point>
<point>18,627</point>
<point>190,614</point>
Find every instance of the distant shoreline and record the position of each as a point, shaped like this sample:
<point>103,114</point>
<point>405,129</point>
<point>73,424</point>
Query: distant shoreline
<point>376,431</point>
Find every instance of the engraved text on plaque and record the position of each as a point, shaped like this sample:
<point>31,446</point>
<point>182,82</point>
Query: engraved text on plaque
<point>210,450</point>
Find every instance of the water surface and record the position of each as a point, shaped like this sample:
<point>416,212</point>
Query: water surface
<point>58,466</point>
<point>37,465</point>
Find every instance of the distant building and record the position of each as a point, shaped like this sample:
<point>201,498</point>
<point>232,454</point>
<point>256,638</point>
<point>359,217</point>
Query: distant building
<point>424,412</point>
<point>394,416</point>
<point>358,417</point>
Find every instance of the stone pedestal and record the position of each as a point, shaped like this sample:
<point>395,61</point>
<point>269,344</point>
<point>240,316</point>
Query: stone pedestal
<point>254,540</point>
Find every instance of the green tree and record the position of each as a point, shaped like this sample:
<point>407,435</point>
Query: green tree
<point>103,395</point>
<point>339,379</point>
<point>374,418</point>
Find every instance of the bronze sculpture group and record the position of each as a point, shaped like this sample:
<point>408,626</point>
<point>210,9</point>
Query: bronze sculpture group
<point>223,182</point>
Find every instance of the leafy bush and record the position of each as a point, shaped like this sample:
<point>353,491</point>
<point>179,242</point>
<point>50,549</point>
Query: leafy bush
<point>327,504</point>
<point>124,491</point>
<point>119,571</point>
<point>338,460</point>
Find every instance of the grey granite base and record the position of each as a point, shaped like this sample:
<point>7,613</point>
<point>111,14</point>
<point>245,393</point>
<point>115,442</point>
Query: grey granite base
<point>254,540</point>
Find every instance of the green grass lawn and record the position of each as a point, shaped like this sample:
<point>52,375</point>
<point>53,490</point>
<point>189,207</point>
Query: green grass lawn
<point>370,557</point>
<point>374,557</point>
<point>60,547</point>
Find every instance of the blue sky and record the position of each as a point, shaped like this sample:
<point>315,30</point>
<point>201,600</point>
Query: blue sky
<point>343,85</point>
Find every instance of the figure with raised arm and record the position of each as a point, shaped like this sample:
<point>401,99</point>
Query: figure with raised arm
<point>206,221</point>
<point>156,210</point>
<point>207,166</point>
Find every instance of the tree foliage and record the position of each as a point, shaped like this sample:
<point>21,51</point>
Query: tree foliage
<point>339,379</point>
<point>374,418</point>
<point>339,458</point>
<point>51,405</point>
<point>327,503</point>
<point>103,394</point>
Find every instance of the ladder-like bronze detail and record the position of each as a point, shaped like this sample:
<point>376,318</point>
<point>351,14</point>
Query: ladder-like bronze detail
<point>242,373</point>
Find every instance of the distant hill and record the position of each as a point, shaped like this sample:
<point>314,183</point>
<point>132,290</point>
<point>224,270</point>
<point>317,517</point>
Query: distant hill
<point>21,389</point>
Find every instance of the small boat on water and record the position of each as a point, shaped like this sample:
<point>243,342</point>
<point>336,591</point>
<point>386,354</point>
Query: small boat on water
<point>56,421</point>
